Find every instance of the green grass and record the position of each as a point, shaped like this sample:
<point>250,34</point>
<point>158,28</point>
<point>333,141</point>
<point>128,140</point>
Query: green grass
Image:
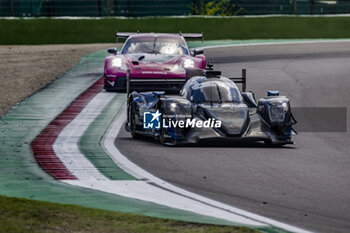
<point>58,31</point>
<point>23,215</point>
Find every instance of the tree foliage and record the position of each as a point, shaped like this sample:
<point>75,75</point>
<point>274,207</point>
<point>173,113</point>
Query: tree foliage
<point>216,7</point>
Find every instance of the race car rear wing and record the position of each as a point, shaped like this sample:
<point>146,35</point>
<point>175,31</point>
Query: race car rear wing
<point>190,73</point>
<point>147,83</point>
<point>125,35</point>
<point>193,36</point>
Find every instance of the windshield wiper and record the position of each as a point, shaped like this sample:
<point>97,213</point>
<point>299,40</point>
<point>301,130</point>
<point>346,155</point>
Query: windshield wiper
<point>154,45</point>
<point>219,92</point>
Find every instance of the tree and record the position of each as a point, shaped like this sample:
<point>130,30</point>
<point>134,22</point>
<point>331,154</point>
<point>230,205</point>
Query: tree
<point>216,7</point>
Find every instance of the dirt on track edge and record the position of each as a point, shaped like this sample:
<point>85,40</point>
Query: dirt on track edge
<point>26,69</point>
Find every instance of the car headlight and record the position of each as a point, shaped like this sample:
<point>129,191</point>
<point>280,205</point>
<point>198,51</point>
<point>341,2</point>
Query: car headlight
<point>188,63</point>
<point>173,107</point>
<point>117,62</point>
<point>171,110</point>
<point>277,111</point>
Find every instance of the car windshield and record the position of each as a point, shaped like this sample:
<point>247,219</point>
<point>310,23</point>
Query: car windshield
<point>158,45</point>
<point>215,92</point>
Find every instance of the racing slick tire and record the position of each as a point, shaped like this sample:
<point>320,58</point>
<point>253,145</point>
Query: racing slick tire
<point>133,132</point>
<point>165,140</point>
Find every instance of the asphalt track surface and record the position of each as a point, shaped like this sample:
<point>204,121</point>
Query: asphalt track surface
<point>306,184</point>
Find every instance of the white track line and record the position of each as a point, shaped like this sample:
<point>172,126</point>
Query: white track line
<point>193,199</point>
<point>149,188</point>
<point>143,191</point>
<point>66,144</point>
<point>66,148</point>
<point>276,43</point>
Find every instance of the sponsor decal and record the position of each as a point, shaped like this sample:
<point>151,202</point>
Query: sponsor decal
<point>111,75</point>
<point>152,120</point>
<point>192,123</point>
<point>154,72</point>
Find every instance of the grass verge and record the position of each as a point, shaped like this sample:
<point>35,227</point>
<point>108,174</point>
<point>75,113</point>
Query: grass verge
<point>23,215</point>
<point>63,31</point>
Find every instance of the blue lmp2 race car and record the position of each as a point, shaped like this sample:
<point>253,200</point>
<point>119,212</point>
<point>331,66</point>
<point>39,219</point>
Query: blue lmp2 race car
<point>210,106</point>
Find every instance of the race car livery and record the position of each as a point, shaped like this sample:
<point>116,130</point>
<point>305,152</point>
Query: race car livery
<point>151,60</point>
<point>210,106</point>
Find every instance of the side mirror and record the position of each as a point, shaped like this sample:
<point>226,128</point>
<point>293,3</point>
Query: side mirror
<point>112,51</point>
<point>197,52</point>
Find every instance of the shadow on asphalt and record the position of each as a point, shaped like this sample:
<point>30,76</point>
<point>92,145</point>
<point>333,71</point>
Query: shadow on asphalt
<point>216,143</point>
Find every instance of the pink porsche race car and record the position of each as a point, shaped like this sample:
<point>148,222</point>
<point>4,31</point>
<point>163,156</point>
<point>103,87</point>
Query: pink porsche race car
<point>152,61</point>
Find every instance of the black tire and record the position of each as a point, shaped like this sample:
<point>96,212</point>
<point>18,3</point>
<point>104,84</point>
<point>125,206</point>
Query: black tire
<point>132,121</point>
<point>113,89</point>
<point>165,141</point>
<point>108,89</point>
<point>268,143</point>
<point>161,136</point>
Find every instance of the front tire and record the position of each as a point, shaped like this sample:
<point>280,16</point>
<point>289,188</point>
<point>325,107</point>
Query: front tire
<point>108,89</point>
<point>132,122</point>
<point>164,140</point>
<point>162,136</point>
